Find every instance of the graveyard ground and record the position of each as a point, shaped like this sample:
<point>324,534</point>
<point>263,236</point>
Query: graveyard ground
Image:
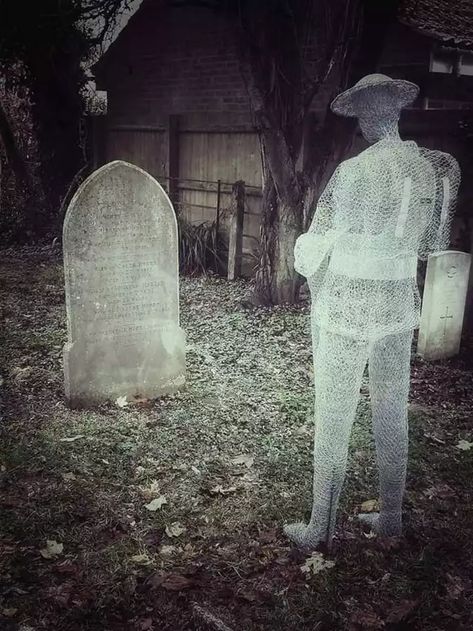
<point>166,515</point>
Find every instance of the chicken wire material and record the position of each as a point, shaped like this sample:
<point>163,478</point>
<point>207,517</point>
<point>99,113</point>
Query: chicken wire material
<point>380,212</point>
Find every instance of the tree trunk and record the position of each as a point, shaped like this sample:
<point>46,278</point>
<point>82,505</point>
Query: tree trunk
<point>358,37</point>
<point>268,238</point>
<point>57,111</point>
<point>28,192</point>
<point>276,278</point>
<point>15,159</point>
<point>285,285</point>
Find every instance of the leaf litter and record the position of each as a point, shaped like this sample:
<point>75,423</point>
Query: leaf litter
<point>156,504</point>
<point>249,392</point>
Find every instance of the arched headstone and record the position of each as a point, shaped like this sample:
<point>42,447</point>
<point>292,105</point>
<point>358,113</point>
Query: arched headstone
<point>122,289</point>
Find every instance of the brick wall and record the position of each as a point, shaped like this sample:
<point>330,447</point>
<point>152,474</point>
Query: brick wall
<point>173,61</point>
<point>405,47</point>
<point>179,60</point>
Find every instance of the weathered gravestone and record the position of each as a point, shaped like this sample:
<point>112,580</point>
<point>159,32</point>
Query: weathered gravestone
<point>443,304</point>
<point>122,292</point>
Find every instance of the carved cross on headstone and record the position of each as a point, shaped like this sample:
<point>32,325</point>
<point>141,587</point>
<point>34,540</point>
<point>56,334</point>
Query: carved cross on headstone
<point>443,304</point>
<point>445,318</point>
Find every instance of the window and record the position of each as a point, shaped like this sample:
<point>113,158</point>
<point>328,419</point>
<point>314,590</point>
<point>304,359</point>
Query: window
<point>451,61</point>
<point>442,61</point>
<point>466,64</point>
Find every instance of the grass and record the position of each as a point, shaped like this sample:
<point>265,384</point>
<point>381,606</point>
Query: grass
<point>83,478</point>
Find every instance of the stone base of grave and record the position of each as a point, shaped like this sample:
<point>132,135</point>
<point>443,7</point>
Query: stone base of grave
<point>99,371</point>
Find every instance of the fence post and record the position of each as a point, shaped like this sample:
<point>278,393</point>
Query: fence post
<point>173,160</point>
<point>217,224</point>
<point>235,240</point>
<point>98,140</point>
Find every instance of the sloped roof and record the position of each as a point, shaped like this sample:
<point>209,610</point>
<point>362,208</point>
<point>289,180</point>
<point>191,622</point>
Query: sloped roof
<point>128,16</point>
<point>447,20</point>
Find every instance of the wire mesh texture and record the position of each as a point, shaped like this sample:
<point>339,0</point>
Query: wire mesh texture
<point>380,212</point>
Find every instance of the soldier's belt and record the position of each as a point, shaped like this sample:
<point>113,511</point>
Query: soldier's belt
<point>373,268</point>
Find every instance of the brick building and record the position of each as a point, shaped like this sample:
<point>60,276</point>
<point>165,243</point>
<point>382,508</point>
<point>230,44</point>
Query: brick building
<point>178,106</point>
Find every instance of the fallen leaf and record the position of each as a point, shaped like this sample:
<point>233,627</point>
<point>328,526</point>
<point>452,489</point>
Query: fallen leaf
<point>175,529</point>
<point>9,612</point>
<point>442,491</point>
<point>71,439</point>
<point>151,491</point>
<point>245,459</point>
<point>179,467</point>
<point>68,476</point>
<point>21,373</point>
<point>121,402</point>
<point>168,550</point>
<point>61,594</point>
<point>146,624</point>
<point>248,594</point>
<point>154,487</point>
<point>66,567</point>
<point>316,563</point>
<point>219,489</point>
<point>464,445</point>
<point>189,551</point>
<point>141,559</point>
<point>52,549</point>
<point>138,400</point>
<point>173,582</point>
<point>195,470</point>
<point>435,439</point>
<point>370,506</point>
<point>156,504</point>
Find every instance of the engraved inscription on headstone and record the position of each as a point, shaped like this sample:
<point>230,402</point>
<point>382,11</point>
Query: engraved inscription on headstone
<point>443,304</point>
<point>122,289</point>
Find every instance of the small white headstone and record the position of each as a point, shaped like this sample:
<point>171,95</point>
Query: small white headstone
<point>443,304</point>
<point>122,294</point>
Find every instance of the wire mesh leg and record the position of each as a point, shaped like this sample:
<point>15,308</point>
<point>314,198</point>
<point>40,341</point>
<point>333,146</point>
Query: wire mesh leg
<point>389,370</point>
<point>339,365</point>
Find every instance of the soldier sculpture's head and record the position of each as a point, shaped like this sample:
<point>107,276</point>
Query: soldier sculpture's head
<point>376,100</point>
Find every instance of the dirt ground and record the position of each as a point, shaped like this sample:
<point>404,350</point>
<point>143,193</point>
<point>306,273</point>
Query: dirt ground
<point>166,515</point>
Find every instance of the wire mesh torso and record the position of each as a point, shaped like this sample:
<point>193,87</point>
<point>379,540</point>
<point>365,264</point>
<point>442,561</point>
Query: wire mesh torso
<point>380,211</point>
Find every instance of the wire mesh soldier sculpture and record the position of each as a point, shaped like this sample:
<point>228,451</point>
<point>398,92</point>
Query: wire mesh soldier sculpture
<point>379,213</point>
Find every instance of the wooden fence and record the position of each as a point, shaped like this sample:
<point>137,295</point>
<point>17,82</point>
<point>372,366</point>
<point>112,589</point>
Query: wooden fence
<point>198,163</point>
<point>227,206</point>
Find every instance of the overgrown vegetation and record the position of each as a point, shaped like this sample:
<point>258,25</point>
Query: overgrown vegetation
<point>201,249</point>
<point>163,512</point>
<point>49,41</point>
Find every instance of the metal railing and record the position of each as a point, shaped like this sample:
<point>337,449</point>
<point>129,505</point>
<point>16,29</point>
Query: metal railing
<point>237,208</point>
